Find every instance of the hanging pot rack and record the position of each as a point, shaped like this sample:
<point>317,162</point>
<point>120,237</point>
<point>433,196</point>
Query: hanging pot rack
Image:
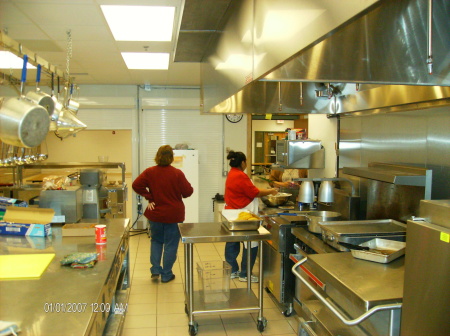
<point>8,44</point>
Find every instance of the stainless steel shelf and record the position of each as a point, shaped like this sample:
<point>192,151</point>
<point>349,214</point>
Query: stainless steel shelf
<point>401,175</point>
<point>240,300</point>
<point>395,174</point>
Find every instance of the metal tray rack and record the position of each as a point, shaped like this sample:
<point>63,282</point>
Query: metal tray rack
<point>241,299</point>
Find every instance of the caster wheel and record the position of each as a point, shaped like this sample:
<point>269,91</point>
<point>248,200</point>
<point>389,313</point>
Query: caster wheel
<point>193,329</point>
<point>261,325</point>
<point>287,312</point>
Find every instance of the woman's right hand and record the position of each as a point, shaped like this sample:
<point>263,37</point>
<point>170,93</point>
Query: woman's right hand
<point>274,191</point>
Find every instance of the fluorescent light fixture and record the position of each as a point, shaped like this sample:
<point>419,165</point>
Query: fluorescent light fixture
<point>10,61</point>
<point>140,23</point>
<point>146,60</point>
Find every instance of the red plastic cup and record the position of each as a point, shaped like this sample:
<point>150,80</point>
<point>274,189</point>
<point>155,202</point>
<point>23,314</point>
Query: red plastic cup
<point>100,234</point>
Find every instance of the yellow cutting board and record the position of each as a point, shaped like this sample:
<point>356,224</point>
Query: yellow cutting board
<point>24,266</point>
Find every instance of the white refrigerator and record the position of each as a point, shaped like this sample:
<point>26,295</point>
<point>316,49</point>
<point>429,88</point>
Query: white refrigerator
<point>187,161</point>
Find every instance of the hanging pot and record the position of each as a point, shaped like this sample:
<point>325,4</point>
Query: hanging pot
<point>39,97</point>
<point>58,107</point>
<point>23,123</point>
<point>68,124</point>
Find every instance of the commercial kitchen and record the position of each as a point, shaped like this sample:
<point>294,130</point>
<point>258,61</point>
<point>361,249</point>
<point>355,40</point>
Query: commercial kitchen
<point>354,91</point>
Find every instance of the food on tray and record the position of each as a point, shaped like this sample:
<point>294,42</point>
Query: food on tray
<point>246,216</point>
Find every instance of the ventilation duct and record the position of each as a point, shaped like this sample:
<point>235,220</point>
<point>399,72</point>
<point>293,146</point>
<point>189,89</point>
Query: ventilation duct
<point>339,43</point>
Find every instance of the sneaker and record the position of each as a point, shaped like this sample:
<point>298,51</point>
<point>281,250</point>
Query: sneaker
<point>168,280</point>
<point>253,279</point>
<point>234,275</point>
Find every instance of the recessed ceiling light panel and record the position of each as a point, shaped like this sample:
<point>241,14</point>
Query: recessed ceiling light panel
<point>146,60</point>
<point>140,23</point>
<point>10,61</point>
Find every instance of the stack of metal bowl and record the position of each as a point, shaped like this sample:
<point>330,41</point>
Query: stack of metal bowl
<point>276,200</point>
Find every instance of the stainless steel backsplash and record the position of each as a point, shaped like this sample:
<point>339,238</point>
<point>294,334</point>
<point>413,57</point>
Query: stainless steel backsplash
<point>417,138</point>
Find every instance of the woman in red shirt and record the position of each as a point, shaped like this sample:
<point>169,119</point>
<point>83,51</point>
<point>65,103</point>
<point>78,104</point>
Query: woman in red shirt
<point>164,187</point>
<point>241,193</point>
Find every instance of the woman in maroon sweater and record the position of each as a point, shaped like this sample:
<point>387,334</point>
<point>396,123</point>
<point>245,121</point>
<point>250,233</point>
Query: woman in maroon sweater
<point>164,187</point>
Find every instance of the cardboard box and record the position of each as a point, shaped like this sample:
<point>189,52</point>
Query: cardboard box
<point>79,230</point>
<point>27,222</point>
<point>7,202</point>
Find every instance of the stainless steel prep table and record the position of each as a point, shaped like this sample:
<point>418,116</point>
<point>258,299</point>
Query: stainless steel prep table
<point>40,306</point>
<point>241,299</point>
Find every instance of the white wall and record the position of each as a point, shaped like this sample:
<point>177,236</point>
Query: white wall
<point>113,107</point>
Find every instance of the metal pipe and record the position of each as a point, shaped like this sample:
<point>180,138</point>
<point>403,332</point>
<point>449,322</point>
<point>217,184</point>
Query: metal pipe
<point>280,104</point>
<point>301,93</point>
<point>430,37</point>
<point>338,139</point>
<point>190,284</point>
<point>261,280</point>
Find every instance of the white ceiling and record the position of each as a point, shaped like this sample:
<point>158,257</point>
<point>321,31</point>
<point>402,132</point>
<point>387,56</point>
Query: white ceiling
<point>42,25</point>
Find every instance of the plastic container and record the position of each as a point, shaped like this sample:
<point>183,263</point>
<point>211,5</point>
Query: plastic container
<point>214,280</point>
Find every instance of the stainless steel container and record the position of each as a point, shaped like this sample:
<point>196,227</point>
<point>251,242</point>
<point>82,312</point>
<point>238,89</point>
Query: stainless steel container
<point>314,217</point>
<point>23,123</point>
<point>276,200</point>
<point>230,221</point>
<point>380,250</point>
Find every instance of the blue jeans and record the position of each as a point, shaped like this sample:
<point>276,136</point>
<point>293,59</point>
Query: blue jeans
<point>164,245</point>
<point>232,252</point>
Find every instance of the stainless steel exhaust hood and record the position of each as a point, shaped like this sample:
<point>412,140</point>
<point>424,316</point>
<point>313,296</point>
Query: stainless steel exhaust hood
<point>341,42</point>
<point>307,154</point>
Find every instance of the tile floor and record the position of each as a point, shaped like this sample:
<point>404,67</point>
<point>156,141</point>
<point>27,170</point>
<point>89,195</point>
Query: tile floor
<point>157,309</point>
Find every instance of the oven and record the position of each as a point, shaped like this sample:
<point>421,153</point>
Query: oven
<point>336,294</point>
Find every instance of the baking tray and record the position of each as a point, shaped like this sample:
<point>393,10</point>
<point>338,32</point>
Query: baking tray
<point>380,250</point>
<point>230,221</point>
<point>364,227</point>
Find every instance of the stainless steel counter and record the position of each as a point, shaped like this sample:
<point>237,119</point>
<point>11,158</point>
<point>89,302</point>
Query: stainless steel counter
<point>38,305</point>
<point>240,299</point>
<point>215,232</point>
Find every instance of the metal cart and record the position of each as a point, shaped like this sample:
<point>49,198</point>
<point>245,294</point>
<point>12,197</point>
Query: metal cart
<point>241,299</point>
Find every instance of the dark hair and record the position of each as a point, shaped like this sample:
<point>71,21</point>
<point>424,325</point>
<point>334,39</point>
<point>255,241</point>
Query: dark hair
<point>164,156</point>
<point>236,158</point>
